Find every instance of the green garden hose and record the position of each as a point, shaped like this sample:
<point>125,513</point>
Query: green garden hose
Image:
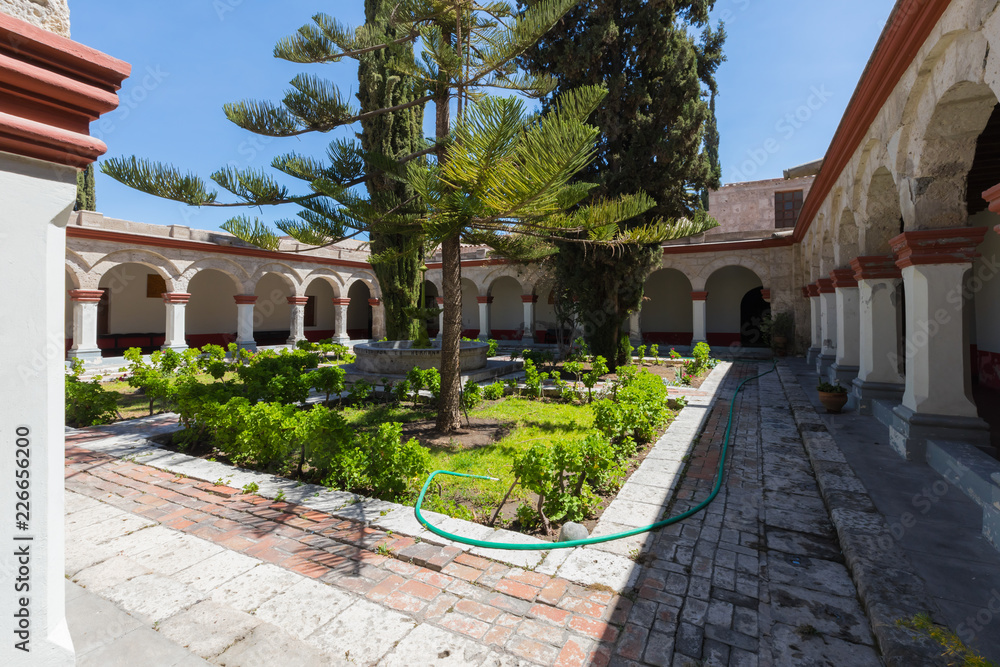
<point>590,540</point>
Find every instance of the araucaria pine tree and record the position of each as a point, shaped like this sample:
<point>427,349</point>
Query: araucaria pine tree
<point>657,58</point>
<point>494,175</point>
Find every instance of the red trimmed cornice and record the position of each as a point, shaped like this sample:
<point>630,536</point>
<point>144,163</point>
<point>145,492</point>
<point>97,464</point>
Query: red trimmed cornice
<point>812,290</point>
<point>342,301</point>
<point>875,268</point>
<point>937,246</point>
<point>908,28</point>
<point>843,278</point>
<point>86,295</point>
<point>699,296</point>
<point>529,298</point>
<point>484,299</point>
<point>182,244</point>
<point>51,89</point>
<point>176,297</point>
<point>727,246</point>
<point>475,262</point>
<point>245,299</point>
<point>825,286</point>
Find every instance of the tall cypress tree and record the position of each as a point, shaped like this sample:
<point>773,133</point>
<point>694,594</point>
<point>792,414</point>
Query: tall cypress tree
<point>86,198</point>
<point>395,257</point>
<point>656,135</point>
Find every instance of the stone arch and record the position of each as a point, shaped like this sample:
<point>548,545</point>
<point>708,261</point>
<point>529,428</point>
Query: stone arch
<point>506,308</point>
<point>289,276</point>
<point>727,322</point>
<point>882,214</point>
<point>699,282</point>
<point>370,281</point>
<point>470,308</point>
<point>827,261</point>
<point>359,312</point>
<point>332,278</point>
<point>846,248</point>
<point>234,271</point>
<point>76,270</point>
<point>163,266</point>
<point>496,274</point>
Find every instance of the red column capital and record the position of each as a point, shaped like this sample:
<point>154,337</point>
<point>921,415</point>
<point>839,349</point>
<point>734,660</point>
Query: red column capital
<point>765,293</point>
<point>440,300</point>
<point>86,295</point>
<point>937,246</point>
<point>529,298</point>
<point>825,286</point>
<point>875,267</point>
<point>245,299</point>
<point>176,297</point>
<point>813,289</point>
<point>484,299</point>
<point>843,278</point>
<point>297,300</point>
<point>374,303</point>
<point>342,301</point>
<point>699,296</point>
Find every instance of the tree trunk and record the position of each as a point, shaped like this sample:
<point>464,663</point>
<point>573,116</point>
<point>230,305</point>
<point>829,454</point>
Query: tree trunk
<point>449,410</point>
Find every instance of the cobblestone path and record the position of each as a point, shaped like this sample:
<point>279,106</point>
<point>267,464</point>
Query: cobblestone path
<point>758,579</point>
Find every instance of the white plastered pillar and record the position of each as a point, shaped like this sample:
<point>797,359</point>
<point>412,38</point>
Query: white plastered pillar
<point>175,304</point>
<point>848,353</point>
<point>528,334</point>
<point>244,321</point>
<point>815,324</point>
<point>378,318</point>
<point>440,304</point>
<point>36,198</point>
<point>85,325</point>
<point>878,363</point>
<point>340,326</point>
<point>827,326</point>
<point>635,327</point>
<point>937,401</point>
<point>484,316</point>
<point>297,318</point>
<point>699,312</point>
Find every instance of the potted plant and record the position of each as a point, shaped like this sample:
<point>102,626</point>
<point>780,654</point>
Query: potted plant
<point>832,396</point>
<point>782,328</point>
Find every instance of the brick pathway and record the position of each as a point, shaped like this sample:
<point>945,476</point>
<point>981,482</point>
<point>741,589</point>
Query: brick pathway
<point>757,579</point>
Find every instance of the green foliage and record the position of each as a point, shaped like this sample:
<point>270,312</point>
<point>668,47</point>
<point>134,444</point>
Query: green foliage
<point>533,379</point>
<point>641,354</point>
<point>493,392</point>
<point>674,354</point>
<point>954,647</point>
<point>654,351</point>
<point>328,380</point>
<point>493,348</point>
<point>537,357</point>
<point>157,378</point>
<point>598,368</point>
<point>360,392</point>
<point>87,403</point>
<point>831,388</point>
<point>278,377</point>
<point>86,197</point>
<point>472,394</point>
<point>261,434</point>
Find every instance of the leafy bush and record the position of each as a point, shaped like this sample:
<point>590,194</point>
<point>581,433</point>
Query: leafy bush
<point>157,377</point>
<point>533,379</point>
<point>88,403</point>
<point>472,394</point>
<point>328,380</point>
<point>674,354</point>
<point>641,353</point>
<point>278,377</point>
<point>360,392</point>
<point>494,347</point>
<point>654,351</point>
<point>493,392</point>
<point>598,368</point>
<point>701,353</point>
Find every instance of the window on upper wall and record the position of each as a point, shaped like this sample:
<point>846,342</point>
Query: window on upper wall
<point>787,206</point>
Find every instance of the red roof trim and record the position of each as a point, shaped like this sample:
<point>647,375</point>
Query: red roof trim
<point>909,26</point>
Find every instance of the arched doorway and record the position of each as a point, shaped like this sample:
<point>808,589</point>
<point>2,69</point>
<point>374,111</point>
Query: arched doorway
<point>320,312</point>
<point>211,311</point>
<point>470,309</point>
<point>272,313</point>
<point>728,324</point>
<point>507,309</point>
<point>430,301</point>
<point>753,310</point>
<point>131,311</point>
<point>667,316</point>
<point>359,312</point>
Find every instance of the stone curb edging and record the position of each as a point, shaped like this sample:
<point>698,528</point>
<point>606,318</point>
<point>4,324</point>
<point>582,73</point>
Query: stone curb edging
<point>880,569</point>
<point>586,566</point>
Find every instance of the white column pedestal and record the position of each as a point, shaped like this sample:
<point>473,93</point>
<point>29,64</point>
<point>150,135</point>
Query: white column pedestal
<point>528,333</point>
<point>699,311</point>
<point>85,325</point>
<point>340,326</point>
<point>244,322</point>
<point>484,317</point>
<point>937,402</point>
<point>828,328</point>
<point>440,304</point>
<point>36,198</point>
<point>176,306</point>
<point>845,368</point>
<point>878,378</point>
<point>297,318</point>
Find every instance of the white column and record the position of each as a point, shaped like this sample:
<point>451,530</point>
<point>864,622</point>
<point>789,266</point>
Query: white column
<point>340,326</point>
<point>878,364</point>
<point>244,321</point>
<point>378,318</point>
<point>937,401</point>
<point>85,324</point>
<point>699,317</point>
<point>828,327</point>
<point>815,333</point>
<point>528,335</point>
<point>297,318</point>
<point>176,305</point>
<point>845,368</point>
<point>440,304</point>
<point>484,316</point>
<point>635,328</point>
<point>36,198</point>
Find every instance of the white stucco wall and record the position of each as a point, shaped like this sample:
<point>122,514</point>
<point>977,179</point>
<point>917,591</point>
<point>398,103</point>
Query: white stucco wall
<point>507,309</point>
<point>668,308</point>
<point>212,308</point>
<point>545,312</point>
<point>726,289</point>
<point>325,310</point>
<point>470,305</point>
<point>984,284</point>
<point>271,312</point>
<point>129,310</point>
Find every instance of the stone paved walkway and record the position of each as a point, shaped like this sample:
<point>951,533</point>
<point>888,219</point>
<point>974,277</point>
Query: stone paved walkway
<point>758,579</point>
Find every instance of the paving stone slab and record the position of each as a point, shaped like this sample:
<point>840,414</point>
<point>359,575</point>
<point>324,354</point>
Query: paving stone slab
<point>254,587</point>
<point>208,628</point>
<point>814,574</point>
<point>108,573</point>
<point>631,513</point>
<point>94,622</point>
<point>428,645</point>
<point>797,645</point>
<point>361,634</point>
<point>831,615</point>
<point>108,530</point>
<point>589,567</point>
<point>153,597</point>
<point>304,607</point>
<point>267,646</point>
<point>176,555</point>
<point>208,574</point>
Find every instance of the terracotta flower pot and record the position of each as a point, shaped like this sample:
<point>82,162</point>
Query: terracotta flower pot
<point>833,401</point>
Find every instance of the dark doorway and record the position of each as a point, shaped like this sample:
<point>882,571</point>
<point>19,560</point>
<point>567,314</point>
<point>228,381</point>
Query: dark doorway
<point>753,309</point>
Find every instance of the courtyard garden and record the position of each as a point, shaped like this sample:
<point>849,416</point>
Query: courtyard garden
<point>561,436</point>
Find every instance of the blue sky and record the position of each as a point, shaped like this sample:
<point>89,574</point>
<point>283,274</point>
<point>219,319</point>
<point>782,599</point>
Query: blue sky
<point>792,67</point>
